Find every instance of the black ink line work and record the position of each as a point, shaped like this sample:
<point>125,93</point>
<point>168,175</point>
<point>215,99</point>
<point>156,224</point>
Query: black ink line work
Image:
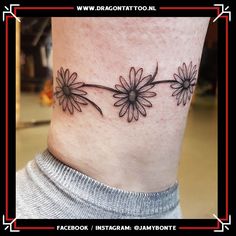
<point>184,83</point>
<point>132,94</point>
<point>69,92</point>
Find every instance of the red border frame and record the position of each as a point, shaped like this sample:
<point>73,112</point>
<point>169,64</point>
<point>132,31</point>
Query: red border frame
<point>191,8</point>
<point>226,218</point>
<point>226,125</point>
<point>6,117</point>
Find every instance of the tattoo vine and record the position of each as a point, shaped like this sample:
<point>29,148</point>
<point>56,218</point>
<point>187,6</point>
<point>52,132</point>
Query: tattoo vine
<point>132,95</point>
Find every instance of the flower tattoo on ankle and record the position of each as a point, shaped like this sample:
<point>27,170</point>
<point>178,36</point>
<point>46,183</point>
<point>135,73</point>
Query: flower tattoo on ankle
<point>69,92</point>
<point>133,94</point>
<point>184,83</point>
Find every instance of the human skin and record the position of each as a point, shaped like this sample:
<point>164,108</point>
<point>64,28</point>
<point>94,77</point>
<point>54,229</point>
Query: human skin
<point>141,155</point>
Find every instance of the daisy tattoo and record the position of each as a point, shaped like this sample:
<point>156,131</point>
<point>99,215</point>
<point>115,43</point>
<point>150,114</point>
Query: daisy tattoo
<point>69,93</point>
<point>184,83</point>
<point>132,93</point>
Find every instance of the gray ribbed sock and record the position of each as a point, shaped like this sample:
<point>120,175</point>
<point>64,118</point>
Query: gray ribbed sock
<point>48,189</point>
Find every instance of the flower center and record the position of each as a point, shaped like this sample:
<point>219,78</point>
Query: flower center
<point>66,90</point>
<point>132,96</point>
<point>186,84</point>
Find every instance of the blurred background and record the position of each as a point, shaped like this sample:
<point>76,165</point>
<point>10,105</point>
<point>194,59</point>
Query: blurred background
<point>198,166</point>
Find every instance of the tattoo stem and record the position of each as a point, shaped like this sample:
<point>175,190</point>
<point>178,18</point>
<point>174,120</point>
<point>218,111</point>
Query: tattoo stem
<point>114,90</point>
<point>93,104</point>
<point>162,82</point>
<point>155,72</point>
<point>100,86</point>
